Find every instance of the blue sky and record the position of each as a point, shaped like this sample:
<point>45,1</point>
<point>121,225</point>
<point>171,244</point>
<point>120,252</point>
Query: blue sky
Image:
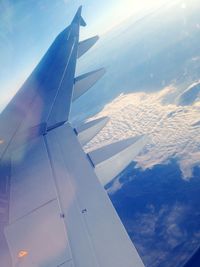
<point>27,28</point>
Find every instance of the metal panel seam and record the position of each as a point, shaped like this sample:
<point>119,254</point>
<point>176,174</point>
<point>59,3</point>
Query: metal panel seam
<point>78,201</point>
<point>33,210</point>
<point>56,186</point>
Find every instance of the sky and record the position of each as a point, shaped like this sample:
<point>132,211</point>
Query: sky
<point>151,87</point>
<point>27,29</point>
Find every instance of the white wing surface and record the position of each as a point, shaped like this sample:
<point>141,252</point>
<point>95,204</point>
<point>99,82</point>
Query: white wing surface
<point>54,211</point>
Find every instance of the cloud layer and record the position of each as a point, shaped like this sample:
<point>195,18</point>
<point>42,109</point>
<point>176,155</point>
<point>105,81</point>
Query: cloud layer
<point>174,130</point>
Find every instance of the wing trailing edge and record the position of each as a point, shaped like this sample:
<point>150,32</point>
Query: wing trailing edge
<point>88,130</point>
<point>110,160</point>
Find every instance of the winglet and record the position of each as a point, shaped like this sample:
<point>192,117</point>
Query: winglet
<point>78,18</point>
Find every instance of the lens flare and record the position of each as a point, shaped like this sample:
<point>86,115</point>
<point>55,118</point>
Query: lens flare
<point>1,141</point>
<point>22,254</point>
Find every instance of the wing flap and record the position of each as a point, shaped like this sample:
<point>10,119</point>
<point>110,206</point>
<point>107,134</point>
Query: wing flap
<point>89,215</point>
<point>34,215</point>
<point>31,177</point>
<point>42,247</point>
<point>56,199</point>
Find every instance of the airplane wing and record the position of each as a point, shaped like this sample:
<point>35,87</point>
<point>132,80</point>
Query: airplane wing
<point>53,209</point>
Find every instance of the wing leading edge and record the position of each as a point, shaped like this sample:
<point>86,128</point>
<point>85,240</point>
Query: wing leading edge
<point>59,214</point>
<point>45,97</point>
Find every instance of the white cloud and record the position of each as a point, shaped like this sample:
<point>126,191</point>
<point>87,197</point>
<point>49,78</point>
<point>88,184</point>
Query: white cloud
<point>115,187</point>
<point>168,126</point>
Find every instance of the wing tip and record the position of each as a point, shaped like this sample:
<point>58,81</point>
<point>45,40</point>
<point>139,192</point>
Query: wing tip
<point>78,17</point>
